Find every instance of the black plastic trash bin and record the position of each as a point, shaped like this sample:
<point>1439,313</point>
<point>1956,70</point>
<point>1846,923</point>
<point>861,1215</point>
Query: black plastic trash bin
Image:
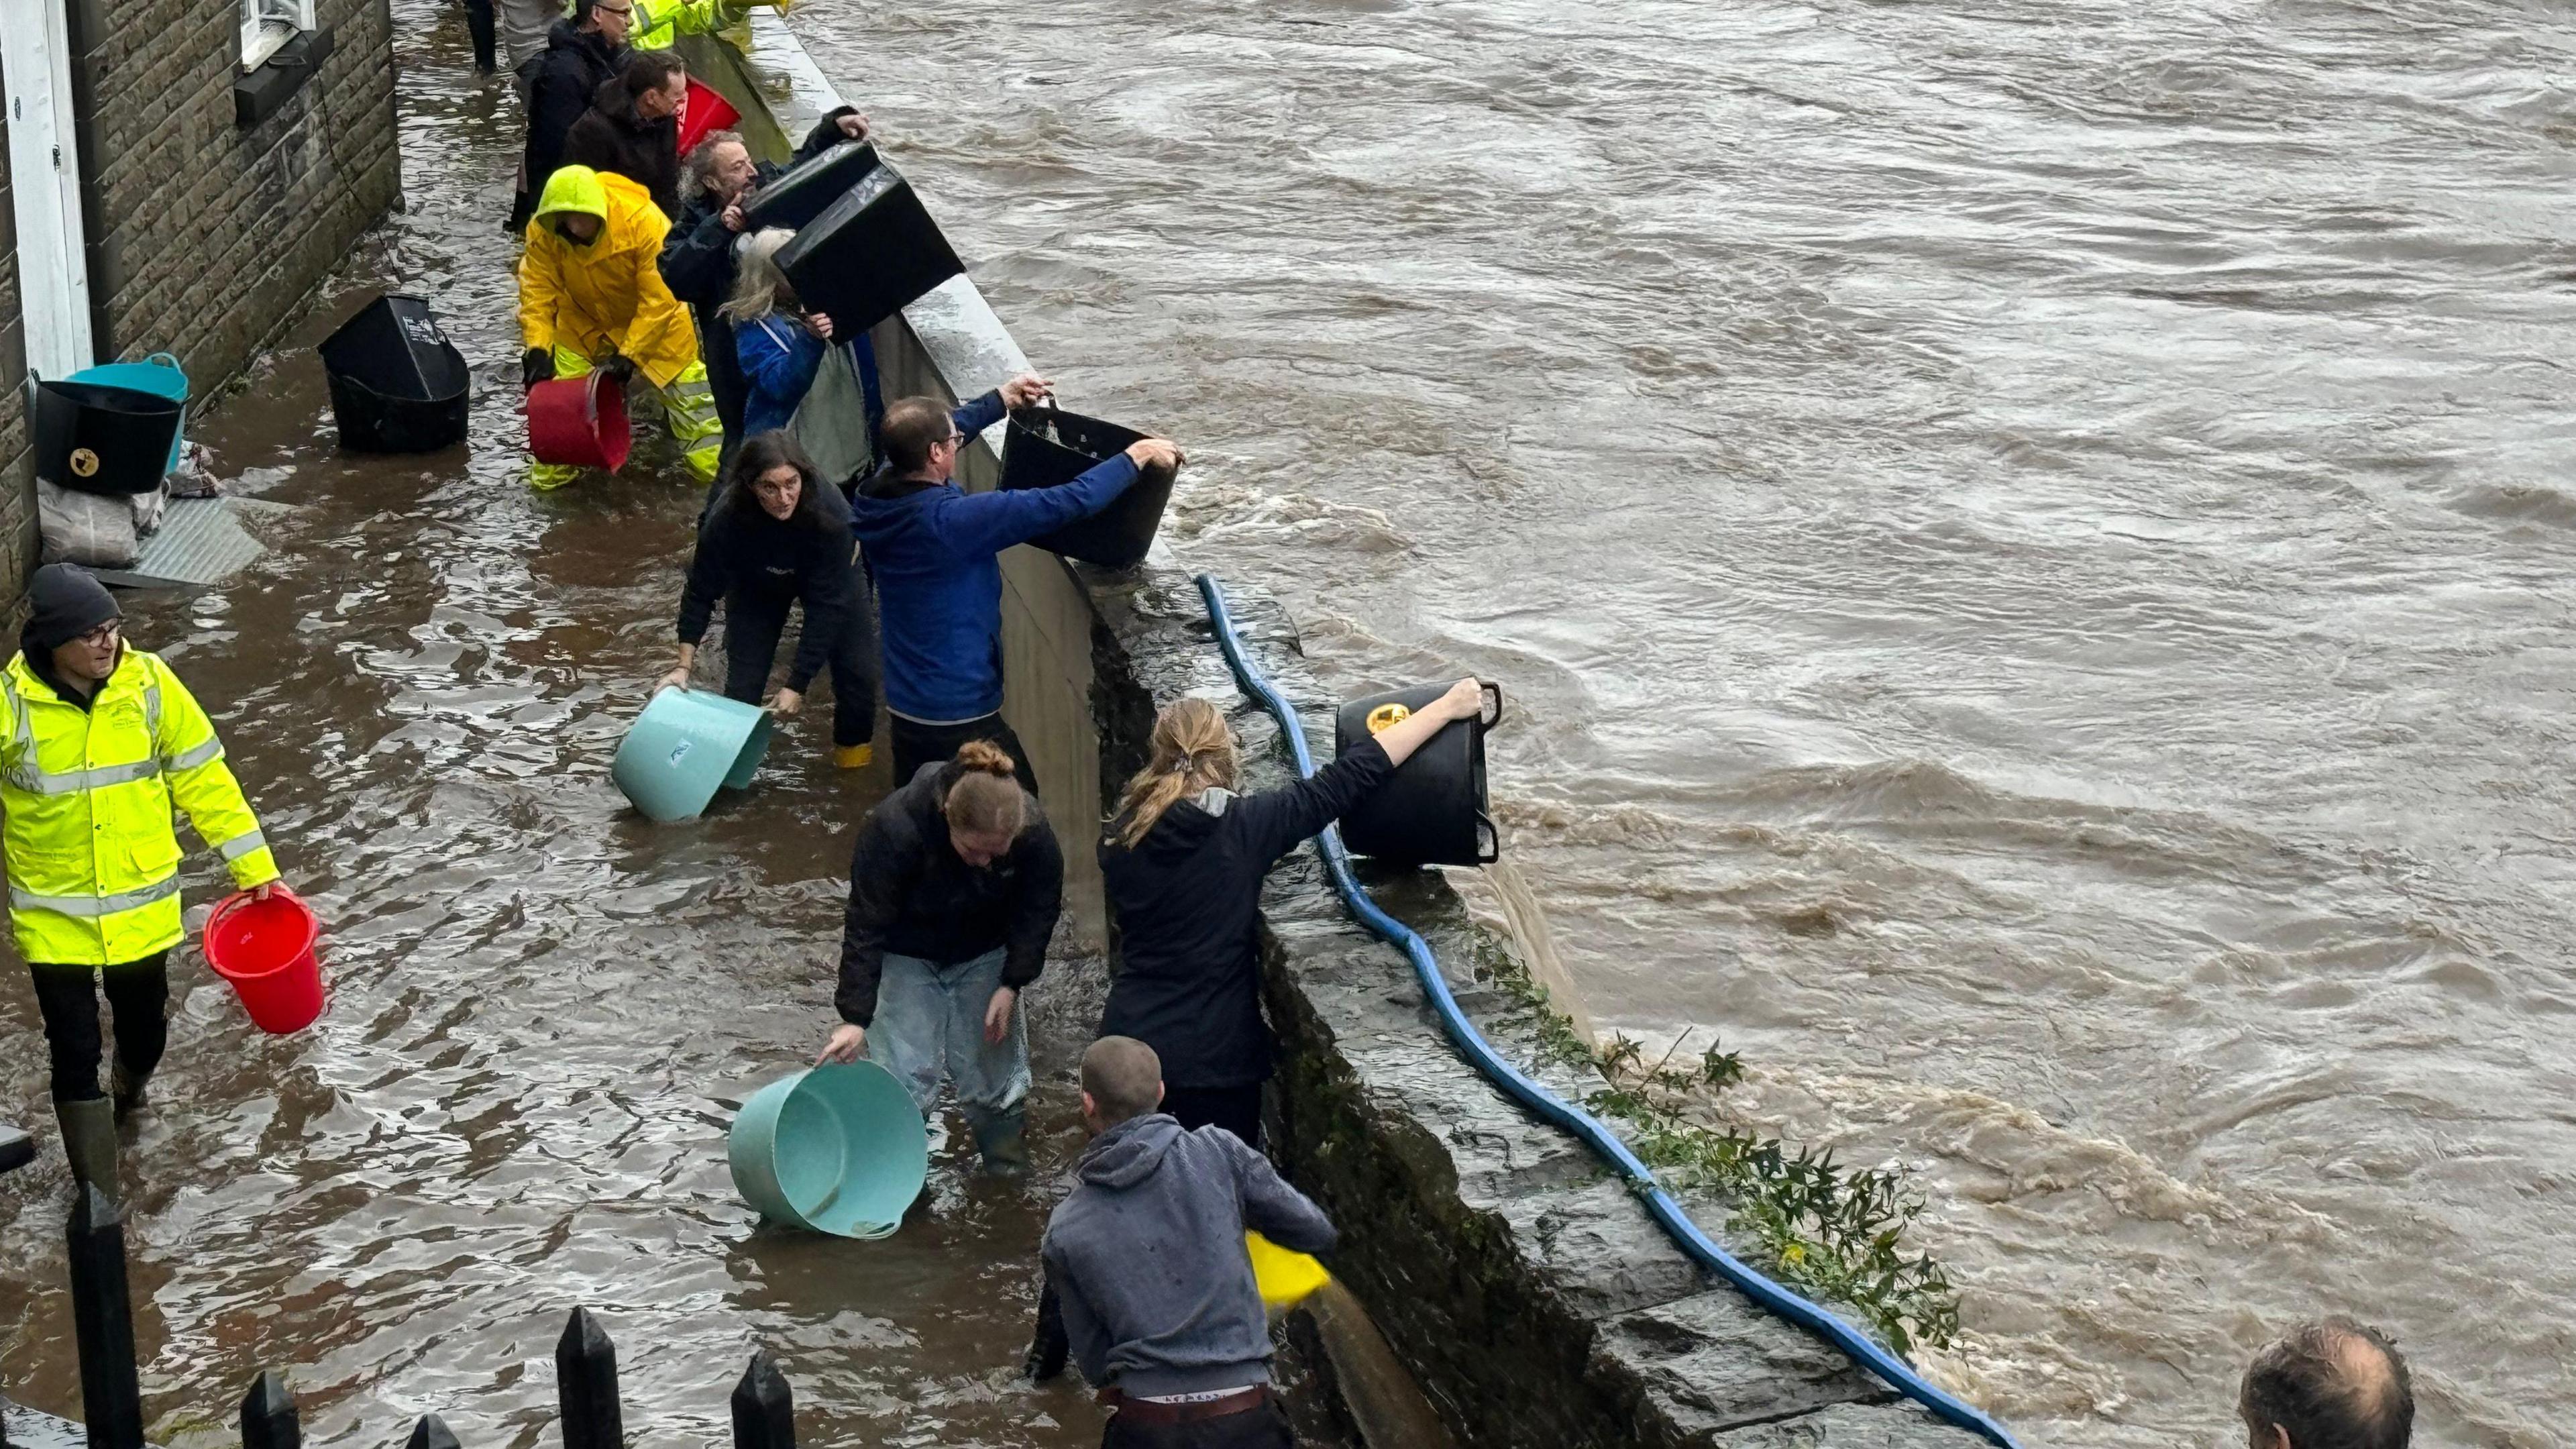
<point>868,255</point>
<point>810,187</point>
<point>1433,811</point>
<point>1045,446</point>
<point>93,438</point>
<point>397,384</point>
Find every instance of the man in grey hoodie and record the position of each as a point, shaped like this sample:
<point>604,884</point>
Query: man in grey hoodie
<point>1147,1258</point>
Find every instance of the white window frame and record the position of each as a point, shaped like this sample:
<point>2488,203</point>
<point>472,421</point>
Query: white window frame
<point>266,25</point>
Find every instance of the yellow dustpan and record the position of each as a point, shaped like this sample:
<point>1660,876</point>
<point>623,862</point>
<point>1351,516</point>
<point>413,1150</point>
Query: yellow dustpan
<point>1285,1277</point>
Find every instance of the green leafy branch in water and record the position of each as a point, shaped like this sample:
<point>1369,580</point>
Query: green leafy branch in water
<point>1830,1232</point>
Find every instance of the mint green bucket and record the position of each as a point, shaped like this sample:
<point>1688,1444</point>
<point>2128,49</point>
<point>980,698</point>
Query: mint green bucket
<point>686,744</point>
<point>838,1149</point>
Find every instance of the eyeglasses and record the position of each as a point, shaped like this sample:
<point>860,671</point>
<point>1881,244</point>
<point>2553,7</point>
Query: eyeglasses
<point>955,440</point>
<point>103,635</point>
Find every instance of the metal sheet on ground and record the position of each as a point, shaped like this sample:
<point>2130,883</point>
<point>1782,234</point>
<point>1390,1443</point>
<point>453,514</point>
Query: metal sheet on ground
<point>201,541</point>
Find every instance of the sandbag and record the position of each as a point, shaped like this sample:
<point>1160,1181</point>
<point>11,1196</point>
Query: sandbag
<point>91,529</point>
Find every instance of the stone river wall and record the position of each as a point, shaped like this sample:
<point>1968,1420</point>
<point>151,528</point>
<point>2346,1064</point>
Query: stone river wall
<point>1528,1293</point>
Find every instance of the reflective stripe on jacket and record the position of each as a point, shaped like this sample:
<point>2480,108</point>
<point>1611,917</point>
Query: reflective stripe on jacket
<point>91,849</point>
<point>658,25</point>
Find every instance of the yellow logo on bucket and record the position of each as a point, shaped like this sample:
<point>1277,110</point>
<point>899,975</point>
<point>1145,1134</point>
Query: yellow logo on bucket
<point>84,462</point>
<point>1386,717</point>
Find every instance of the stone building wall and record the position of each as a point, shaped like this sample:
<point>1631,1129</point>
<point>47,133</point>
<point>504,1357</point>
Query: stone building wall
<point>214,202</point>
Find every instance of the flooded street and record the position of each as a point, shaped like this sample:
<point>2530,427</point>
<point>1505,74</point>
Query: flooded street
<point>2028,542</point>
<point>544,1009</point>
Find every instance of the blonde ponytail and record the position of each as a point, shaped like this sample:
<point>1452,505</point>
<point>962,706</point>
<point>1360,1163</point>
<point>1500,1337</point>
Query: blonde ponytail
<point>1193,751</point>
<point>986,798</point>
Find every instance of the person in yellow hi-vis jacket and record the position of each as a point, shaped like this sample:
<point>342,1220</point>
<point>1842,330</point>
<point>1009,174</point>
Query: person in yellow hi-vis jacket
<point>99,741</point>
<point>591,294</point>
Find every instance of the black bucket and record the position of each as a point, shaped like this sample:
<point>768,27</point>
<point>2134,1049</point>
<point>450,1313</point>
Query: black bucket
<point>397,384</point>
<point>810,187</point>
<point>92,438</point>
<point>1046,447</point>
<point>1433,811</point>
<point>868,255</point>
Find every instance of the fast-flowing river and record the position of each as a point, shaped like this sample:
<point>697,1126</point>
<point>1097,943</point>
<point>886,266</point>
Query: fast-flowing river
<point>2028,540</point>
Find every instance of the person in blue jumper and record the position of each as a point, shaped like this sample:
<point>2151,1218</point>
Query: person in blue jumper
<point>934,550</point>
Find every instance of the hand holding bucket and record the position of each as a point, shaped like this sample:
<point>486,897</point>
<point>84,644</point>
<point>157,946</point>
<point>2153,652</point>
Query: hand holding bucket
<point>262,942</point>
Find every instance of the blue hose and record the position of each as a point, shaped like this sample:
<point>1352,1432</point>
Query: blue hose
<point>1471,1043</point>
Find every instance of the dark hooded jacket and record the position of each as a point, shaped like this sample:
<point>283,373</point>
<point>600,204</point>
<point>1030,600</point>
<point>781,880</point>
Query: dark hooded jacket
<point>1146,1256</point>
<point>613,136</point>
<point>913,895</point>
<point>563,79</point>
<point>1186,901</point>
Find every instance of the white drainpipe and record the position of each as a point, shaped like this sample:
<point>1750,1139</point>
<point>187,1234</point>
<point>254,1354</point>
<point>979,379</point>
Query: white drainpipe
<point>44,185</point>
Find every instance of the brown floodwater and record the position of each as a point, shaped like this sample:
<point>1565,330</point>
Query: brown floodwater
<point>2028,541</point>
<point>544,1008</point>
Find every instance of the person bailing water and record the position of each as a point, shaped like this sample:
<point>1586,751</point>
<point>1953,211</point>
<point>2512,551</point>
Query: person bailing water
<point>935,552</point>
<point>1183,863</point>
<point>955,885</point>
<point>100,740</point>
<point>778,537</point>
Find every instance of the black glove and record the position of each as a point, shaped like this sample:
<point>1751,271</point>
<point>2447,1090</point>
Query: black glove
<point>619,367</point>
<point>538,366</point>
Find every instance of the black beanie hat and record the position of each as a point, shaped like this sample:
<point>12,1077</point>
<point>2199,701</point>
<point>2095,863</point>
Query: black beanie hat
<point>66,603</point>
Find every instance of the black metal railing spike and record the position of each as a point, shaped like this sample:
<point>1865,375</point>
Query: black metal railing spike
<point>764,1408</point>
<point>103,1322</point>
<point>586,1385</point>
<point>268,1416</point>
<point>432,1433</point>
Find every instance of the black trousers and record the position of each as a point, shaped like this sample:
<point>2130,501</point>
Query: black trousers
<point>138,993</point>
<point>753,623</point>
<point>1236,1109</point>
<point>1263,1428</point>
<point>917,744</point>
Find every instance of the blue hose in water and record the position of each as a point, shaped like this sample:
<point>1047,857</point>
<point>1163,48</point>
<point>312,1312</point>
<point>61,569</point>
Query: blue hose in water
<point>1775,1299</point>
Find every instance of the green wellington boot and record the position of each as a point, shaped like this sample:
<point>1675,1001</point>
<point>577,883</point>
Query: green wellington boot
<point>89,1140</point>
<point>1004,1143</point>
<point>126,1091</point>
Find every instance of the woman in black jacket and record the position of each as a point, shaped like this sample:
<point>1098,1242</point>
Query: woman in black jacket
<point>1183,864</point>
<point>954,889</point>
<point>777,536</point>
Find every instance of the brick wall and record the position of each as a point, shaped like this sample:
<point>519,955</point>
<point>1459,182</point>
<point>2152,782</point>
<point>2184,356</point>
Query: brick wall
<point>204,235</point>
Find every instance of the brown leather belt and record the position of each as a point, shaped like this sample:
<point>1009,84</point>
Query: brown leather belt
<point>1146,1414</point>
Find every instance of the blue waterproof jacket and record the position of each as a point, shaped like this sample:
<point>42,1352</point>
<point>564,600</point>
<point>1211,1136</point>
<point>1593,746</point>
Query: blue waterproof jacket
<point>933,550</point>
<point>779,359</point>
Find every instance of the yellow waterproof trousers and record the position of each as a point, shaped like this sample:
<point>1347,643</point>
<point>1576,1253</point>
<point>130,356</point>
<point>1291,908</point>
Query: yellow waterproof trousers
<point>688,410</point>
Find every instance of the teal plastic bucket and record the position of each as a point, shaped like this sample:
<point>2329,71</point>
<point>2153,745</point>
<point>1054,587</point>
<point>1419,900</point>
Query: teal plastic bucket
<point>159,375</point>
<point>838,1149</point>
<point>686,745</point>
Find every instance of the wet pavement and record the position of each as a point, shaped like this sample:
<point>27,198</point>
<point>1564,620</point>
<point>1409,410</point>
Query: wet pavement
<point>544,1009</point>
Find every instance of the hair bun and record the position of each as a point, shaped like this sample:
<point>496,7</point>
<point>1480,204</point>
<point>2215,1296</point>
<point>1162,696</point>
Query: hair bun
<point>986,756</point>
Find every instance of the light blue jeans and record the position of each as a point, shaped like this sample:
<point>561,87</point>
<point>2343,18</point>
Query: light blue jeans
<point>930,1022</point>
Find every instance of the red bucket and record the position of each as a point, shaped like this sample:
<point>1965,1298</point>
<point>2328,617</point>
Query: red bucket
<point>706,111</point>
<point>265,949</point>
<point>579,422</point>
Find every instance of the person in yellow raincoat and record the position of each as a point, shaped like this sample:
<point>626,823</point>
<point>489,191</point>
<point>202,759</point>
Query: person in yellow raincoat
<point>98,741</point>
<point>591,294</point>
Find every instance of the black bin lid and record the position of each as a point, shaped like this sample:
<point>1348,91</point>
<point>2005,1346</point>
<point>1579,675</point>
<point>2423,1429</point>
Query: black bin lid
<point>810,186</point>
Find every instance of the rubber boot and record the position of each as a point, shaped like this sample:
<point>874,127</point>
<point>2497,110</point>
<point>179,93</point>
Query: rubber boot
<point>89,1140</point>
<point>853,757</point>
<point>127,1091</point>
<point>483,25</point>
<point>1003,1141</point>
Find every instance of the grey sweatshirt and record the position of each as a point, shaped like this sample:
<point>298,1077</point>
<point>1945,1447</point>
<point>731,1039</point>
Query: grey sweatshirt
<point>1147,1257</point>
